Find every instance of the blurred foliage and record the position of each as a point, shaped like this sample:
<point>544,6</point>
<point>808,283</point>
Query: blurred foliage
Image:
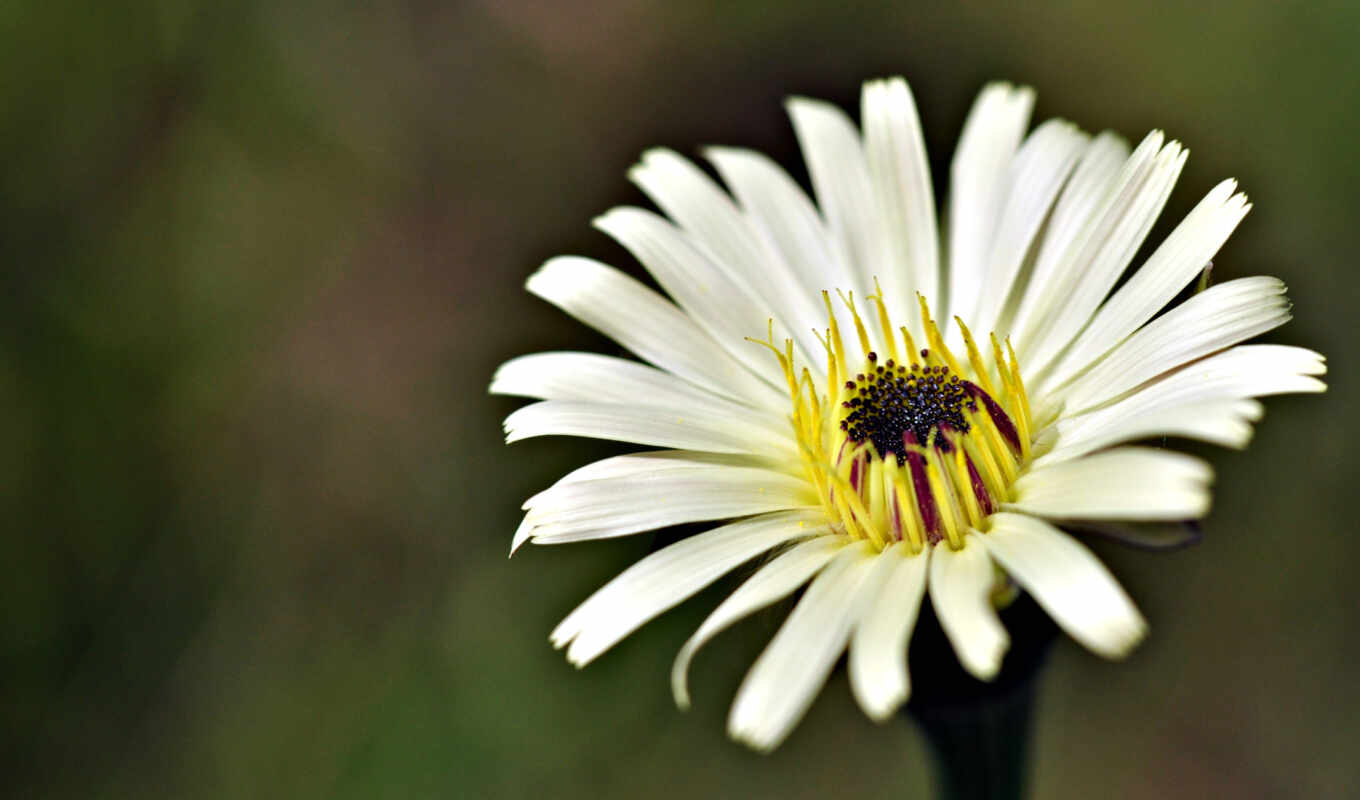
<point>262,260</point>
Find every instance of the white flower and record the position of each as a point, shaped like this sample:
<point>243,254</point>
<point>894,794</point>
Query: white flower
<point>805,394</point>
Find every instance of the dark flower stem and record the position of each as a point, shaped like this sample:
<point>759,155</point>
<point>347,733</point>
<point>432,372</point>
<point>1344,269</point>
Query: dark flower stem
<point>979,732</point>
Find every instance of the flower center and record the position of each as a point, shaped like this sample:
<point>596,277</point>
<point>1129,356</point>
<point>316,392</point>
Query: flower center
<point>918,448</point>
<point>893,406</point>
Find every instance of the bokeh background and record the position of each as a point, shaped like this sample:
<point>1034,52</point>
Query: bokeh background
<point>260,261</point>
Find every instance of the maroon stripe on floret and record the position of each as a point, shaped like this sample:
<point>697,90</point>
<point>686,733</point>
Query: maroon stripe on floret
<point>998,414</point>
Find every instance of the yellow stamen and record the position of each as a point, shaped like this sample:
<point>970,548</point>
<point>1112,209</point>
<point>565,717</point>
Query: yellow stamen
<point>849,300</point>
<point>1008,394</point>
<point>964,482</point>
<point>905,495</point>
<point>836,342</point>
<point>913,355</point>
<point>976,444</point>
<point>975,359</point>
<point>1024,419</point>
<point>878,502</point>
<point>884,503</point>
<point>944,499</point>
<point>937,346</point>
<point>884,323</point>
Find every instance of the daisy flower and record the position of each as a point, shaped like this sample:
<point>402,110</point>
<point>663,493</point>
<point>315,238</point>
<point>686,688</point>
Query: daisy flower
<point>879,408</point>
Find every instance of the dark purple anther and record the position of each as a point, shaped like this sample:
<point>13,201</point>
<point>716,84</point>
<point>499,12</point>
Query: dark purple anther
<point>925,501</point>
<point>984,497</point>
<point>998,414</point>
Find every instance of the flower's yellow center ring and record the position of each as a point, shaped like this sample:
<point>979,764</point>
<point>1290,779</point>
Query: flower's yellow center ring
<point>915,447</point>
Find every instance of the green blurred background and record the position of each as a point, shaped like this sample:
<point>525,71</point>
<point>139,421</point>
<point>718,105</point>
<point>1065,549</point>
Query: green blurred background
<point>262,259</point>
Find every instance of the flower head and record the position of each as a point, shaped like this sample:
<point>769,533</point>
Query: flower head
<point>884,415</point>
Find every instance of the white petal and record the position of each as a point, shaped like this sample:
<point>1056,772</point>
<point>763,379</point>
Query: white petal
<point>772,583</point>
<point>1094,178</point>
<point>521,536</point>
<point>878,648</point>
<point>693,200</point>
<point>840,177</point>
<point>1053,281</point>
<point>961,584</point>
<point>779,208</point>
<point>1071,584</point>
<point>1181,257</point>
<point>671,575</point>
<point>634,503</point>
<point>647,462</point>
<point>722,304</point>
<point>1216,318</point>
<point>1127,483</point>
<point>1204,400</point>
<point>788,674</point>
<point>1223,422</point>
<point>900,172</point>
<point>646,323</point>
<point>990,137</point>
<point>1103,251</point>
<point>588,377</point>
<point>684,428</point>
<point>1036,174</point>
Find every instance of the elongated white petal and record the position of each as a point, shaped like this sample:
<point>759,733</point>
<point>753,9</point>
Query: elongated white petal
<point>685,428</point>
<point>718,228</point>
<point>1059,270</point>
<point>723,305</point>
<point>1127,483</point>
<point>1121,240</point>
<point>587,377</point>
<point>1216,318</point>
<point>646,462</point>
<point>634,503</point>
<point>772,583</point>
<point>669,576</point>
<point>521,536</point>
<point>785,215</point>
<point>1036,174</point>
<point>1095,176</point>
<point>1222,422</point>
<point>1065,578</point>
<point>845,192</point>
<point>900,172</point>
<point>991,135</point>
<point>649,325</point>
<point>1202,400</point>
<point>1177,261</point>
<point>1249,370</point>
<point>693,200</point>
<point>878,648</point>
<point>961,583</point>
<point>788,674</point>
